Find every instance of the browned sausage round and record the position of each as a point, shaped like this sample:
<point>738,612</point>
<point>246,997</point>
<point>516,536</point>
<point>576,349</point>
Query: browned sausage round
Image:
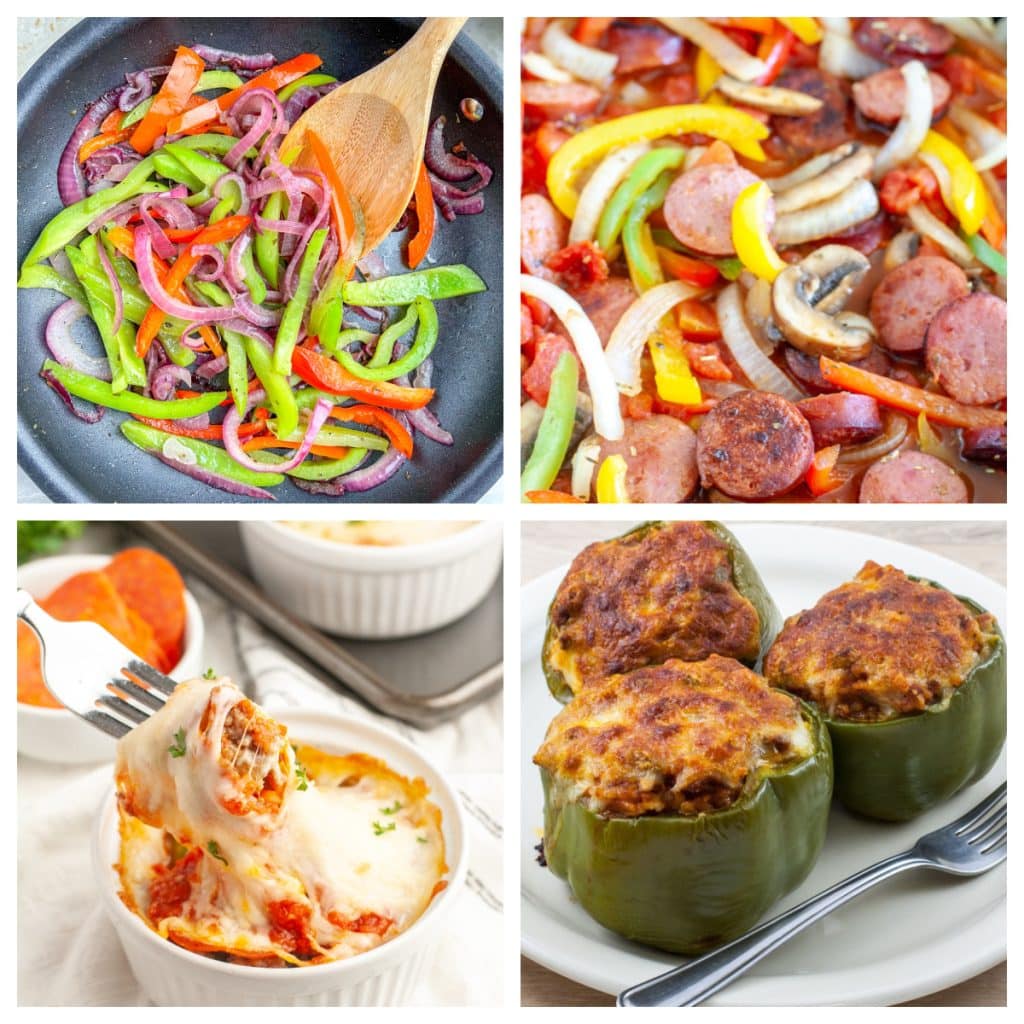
<point>842,418</point>
<point>605,302</point>
<point>903,305</point>
<point>754,446</point>
<point>642,47</point>
<point>661,459</point>
<point>985,444</point>
<point>966,349</point>
<point>698,207</point>
<point>558,100</point>
<point>881,97</point>
<point>542,232</point>
<point>912,477</point>
<point>897,40</point>
<point>807,369</point>
<point>826,127</point>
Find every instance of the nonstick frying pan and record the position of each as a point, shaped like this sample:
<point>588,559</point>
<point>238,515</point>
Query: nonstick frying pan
<point>74,461</point>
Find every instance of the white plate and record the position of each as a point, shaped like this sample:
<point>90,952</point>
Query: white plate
<point>912,935</point>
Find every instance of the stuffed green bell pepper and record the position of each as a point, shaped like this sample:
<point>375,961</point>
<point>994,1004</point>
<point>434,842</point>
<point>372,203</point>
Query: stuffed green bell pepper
<point>662,590</point>
<point>682,800</point>
<point>911,681</point>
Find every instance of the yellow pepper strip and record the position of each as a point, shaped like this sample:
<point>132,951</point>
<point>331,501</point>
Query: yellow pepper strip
<point>611,481</point>
<point>750,233</point>
<point>969,198</point>
<point>807,30</point>
<point>706,71</point>
<point>673,376</point>
<point>735,127</point>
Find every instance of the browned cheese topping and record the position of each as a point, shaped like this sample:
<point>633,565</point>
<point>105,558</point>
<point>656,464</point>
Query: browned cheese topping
<point>638,600</point>
<point>878,647</point>
<point>681,738</point>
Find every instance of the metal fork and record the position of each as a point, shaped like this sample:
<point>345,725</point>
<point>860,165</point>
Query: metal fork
<point>969,846</point>
<point>85,669</point>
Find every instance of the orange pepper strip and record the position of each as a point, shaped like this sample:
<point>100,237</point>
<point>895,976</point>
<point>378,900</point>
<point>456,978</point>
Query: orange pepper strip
<point>112,121</point>
<point>171,99</point>
<point>553,498</point>
<point>697,321</point>
<point>907,397</point>
<point>272,79</point>
<point>993,227</point>
<point>821,474</point>
<point>420,242</point>
<point>269,441</point>
<point>341,208</point>
<point>211,433</point>
<point>98,142</point>
<point>370,416</point>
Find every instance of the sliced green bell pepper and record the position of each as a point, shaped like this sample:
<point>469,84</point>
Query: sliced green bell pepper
<point>316,469</point>
<point>435,283</point>
<point>42,275</point>
<point>268,243</point>
<point>306,80</point>
<point>641,257</point>
<point>690,884</point>
<point>208,81</point>
<point>203,167</point>
<point>426,338</point>
<point>291,320</point>
<point>555,433</point>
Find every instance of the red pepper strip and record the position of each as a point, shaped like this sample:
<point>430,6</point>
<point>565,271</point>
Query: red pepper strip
<point>272,79</point>
<point>552,498</point>
<point>588,31</point>
<point>211,433</point>
<point>182,234</point>
<point>695,272</point>
<point>223,231</point>
<point>341,208</point>
<point>98,142</point>
<point>774,50</point>
<point>321,372</point>
<point>172,98</point>
<point>327,451</point>
<point>370,416</point>
<point>420,242</point>
<point>112,121</point>
<point>821,474</point>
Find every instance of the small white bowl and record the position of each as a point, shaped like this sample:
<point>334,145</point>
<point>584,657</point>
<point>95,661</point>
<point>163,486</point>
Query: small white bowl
<point>371,592</point>
<point>384,976</point>
<point>58,735</point>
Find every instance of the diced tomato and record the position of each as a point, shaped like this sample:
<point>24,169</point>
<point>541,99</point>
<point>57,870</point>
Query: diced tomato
<point>172,886</point>
<point>678,88</point>
<point>803,55</point>
<point>525,325</point>
<point>637,407</point>
<point>588,31</point>
<point>697,321</point>
<point>706,361</point>
<point>540,312</point>
<point>960,72</point>
<point>743,38</point>
<point>901,188</point>
<point>580,264</point>
<point>290,926</point>
<point>537,379</point>
<point>538,148</point>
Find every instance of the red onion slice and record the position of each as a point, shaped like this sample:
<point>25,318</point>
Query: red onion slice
<point>70,179</point>
<point>206,476</point>
<point>63,347</point>
<point>233,444</point>
<point>115,286</point>
<point>86,417</point>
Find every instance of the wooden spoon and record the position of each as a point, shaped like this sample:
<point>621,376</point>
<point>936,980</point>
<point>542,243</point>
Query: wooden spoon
<point>375,126</point>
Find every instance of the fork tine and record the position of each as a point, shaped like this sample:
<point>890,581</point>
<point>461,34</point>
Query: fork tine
<point>986,823</point>
<point>126,687</point>
<point>150,675</point>
<point>976,813</point>
<point>995,839</point>
<point>109,725</point>
<point>124,709</point>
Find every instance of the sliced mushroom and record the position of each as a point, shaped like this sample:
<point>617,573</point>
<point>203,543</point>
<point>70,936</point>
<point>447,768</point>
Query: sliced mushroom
<point>807,297</point>
<point>857,202</point>
<point>787,102</point>
<point>901,249</point>
<point>829,183</point>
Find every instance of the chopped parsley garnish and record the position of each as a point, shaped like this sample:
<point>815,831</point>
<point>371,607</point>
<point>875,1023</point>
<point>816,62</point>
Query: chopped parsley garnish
<point>300,774</point>
<point>178,748</point>
<point>210,674</point>
<point>392,810</point>
<point>379,829</point>
<point>214,851</point>
<point>421,839</point>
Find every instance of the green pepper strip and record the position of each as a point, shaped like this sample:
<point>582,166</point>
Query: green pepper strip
<point>435,283</point>
<point>168,166</point>
<point>555,432</point>
<point>205,168</point>
<point>280,396</point>
<point>208,456</point>
<point>268,243</point>
<point>42,275</point>
<point>426,339</point>
<point>291,321</point>
<point>74,219</point>
<point>335,437</point>
<point>207,80</point>
<point>80,262</point>
<point>386,342</point>
<point>643,262</point>
<point>306,80</point>
<point>238,370</point>
<point>349,337</point>
<point>313,469</point>
<point>253,281</point>
<point>90,389</point>
<point>330,333</point>
<point>644,174</point>
<point>986,254</point>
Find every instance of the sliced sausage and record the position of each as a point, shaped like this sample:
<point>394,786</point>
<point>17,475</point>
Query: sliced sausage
<point>842,418</point>
<point>556,101</point>
<point>807,369</point>
<point>698,207</point>
<point>912,477</point>
<point>904,304</point>
<point>754,446</point>
<point>641,47</point>
<point>826,127</point>
<point>661,459</point>
<point>897,40</point>
<point>966,349</point>
<point>542,232</point>
<point>985,444</point>
<point>605,302</point>
<point>881,97</point>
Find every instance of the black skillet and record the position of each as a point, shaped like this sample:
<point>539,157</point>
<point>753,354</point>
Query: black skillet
<point>73,461</point>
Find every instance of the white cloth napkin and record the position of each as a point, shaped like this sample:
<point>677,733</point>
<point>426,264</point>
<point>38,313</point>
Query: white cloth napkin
<point>68,953</point>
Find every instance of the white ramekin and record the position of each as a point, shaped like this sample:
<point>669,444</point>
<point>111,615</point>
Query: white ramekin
<point>55,734</point>
<point>385,976</point>
<point>373,592</point>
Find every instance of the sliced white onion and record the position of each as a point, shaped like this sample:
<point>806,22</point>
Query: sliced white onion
<point>584,465</point>
<point>599,188</point>
<point>541,67</point>
<point>991,144</point>
<point>603,393</point>
<point>729,55</point>
<point>902,248</point>
<point>856,203</point>
<point>626,345</point>
<point>812,168</point>
<point>586,62</point>
<point>634,93</point>
<point>942,176</point>
<point>827,184</point>
<point>762,373</point>
<point>841,26</point>
<point>926,223</point>
<point>982,31</point>
<point>914,122</point>
<point>839,55</point>
<point>693,155</point>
